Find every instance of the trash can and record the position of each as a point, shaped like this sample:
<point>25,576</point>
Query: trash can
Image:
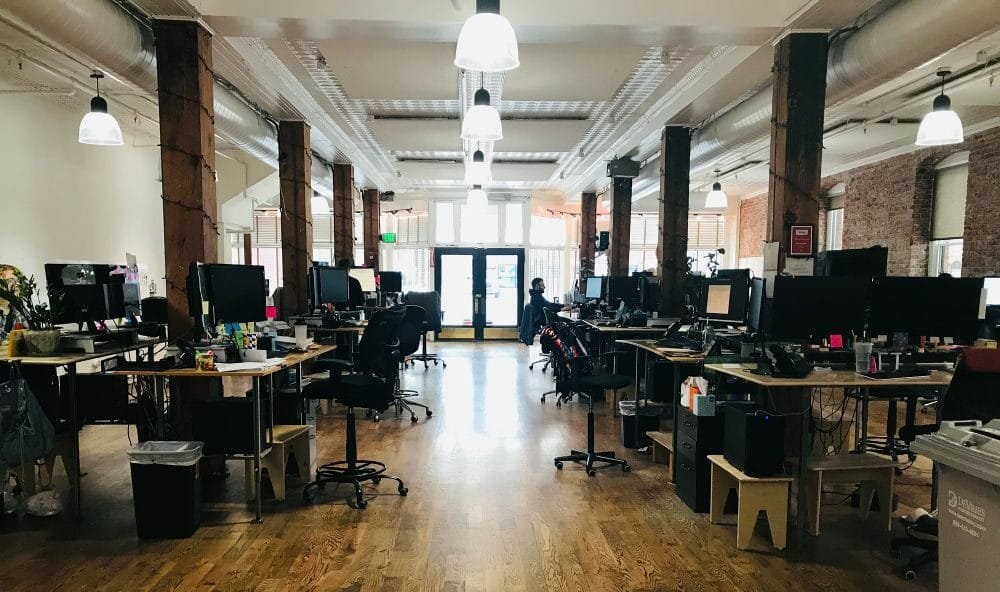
<point>967,458</point>
<point>649,421</point>
<point>166,489</point>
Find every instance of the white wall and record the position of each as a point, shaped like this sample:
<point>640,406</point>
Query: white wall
<point>65,201</point>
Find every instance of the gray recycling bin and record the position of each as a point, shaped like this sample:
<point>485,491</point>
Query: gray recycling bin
<point>166,489</point>
<point>967,457</point>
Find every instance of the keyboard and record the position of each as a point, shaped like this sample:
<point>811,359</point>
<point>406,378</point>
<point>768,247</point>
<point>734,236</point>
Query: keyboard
<point>678,342</point>
<point>901,373</point>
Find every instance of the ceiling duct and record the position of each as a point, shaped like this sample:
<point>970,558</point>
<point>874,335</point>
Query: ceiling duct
<point>119,44</point>
<point>883,49</point>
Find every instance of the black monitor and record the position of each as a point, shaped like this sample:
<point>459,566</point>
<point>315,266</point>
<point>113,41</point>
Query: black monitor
<point>926,306</point>
<point>328,285</point>
<point>757,297</point>
<point>725,298</point>
<point>624,289</point>
<point>222,293</point>
<point>85,293</point>
<point>870,262</point>
<point>817,307</point>
<point>649,293</point>
<point>595,287</point>
<point>390,282</point>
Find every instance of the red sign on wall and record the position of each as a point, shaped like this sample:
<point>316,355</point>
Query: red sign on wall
<point>801,243</point>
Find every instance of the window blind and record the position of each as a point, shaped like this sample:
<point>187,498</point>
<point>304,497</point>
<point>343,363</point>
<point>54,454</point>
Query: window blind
<point>706,231</point>
<point>948,218</point>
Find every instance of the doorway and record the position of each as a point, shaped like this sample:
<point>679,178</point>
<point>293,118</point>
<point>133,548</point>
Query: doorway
<point>482,292</point>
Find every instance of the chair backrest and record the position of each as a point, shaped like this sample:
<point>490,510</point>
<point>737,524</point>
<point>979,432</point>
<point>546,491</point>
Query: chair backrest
<point>379,341</point>
<point>431,303</point>
<point>410,330</point>
<point>563,342</point>
<point>974,392</point>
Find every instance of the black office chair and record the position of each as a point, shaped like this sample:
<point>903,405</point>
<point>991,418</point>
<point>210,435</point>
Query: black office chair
<point>372,386</point>
<point>974,393</point>
<point>575,373</point>
<point>531,324</point>
<point>431,303</point>
<point>409,333</point>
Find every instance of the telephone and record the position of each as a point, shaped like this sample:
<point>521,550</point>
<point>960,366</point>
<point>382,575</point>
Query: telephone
<point>788,364</point>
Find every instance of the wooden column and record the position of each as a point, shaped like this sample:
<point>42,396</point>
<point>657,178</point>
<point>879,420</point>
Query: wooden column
<point>793,194</point>
<point>588,230</point>
<point>295,178</point>
<point>672,241</point>
<point>621,224</point>
<point>371,209</point>
<point>247,248</point>
<point>187,159</point>
<point>343,213</point>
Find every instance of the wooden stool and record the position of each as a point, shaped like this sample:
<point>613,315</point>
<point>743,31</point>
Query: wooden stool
<point>875,474</point>
<point>754,494</point>
<point>663,450</point>
<point>287,440</point>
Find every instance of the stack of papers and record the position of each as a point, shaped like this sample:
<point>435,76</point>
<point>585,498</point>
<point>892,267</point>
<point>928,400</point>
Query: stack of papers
<point>238,366</point>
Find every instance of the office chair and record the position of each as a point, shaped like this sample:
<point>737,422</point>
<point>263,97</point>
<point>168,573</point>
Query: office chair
<point>372,386</point>
<point>531,323</point>
<point>409,332</point>
<point>576,374</point>
<point>974,393</point>
<point>431,303</point>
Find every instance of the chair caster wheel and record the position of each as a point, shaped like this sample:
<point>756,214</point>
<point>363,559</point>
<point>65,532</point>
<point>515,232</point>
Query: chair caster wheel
<point>376,480</point>
<point>435,362</point>
<point>558,403</point>
<point>559,464</point>
<point>429,413</point>
<point>362,504</point>
<point>376,418</point>
<point>910,575</point>
<point>626,468</point>
<point>402,491</point>
<point>413,419</point>
<point>306,497</point>
<point>591,472</point>
<point>443,365</point>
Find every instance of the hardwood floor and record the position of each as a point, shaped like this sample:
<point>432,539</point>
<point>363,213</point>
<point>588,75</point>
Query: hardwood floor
<point>486,511</point>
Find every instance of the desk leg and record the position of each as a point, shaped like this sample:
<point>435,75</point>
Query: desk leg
<point>256,448</point>
<point>303,411</point>
<point>638,431</point>
<point>161,407</point>
<point>271,396</point>
<point>863,444</point>
<point>805,449</point>
<point>73,473</point>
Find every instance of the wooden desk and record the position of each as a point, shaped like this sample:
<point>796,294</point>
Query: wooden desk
<point>801,389</point>
<point>69,361</point>
<point>292,359</point>
<point>681,362</point>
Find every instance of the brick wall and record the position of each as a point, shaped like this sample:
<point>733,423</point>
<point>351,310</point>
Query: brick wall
<point>753,224</point>
<point>889,203</point>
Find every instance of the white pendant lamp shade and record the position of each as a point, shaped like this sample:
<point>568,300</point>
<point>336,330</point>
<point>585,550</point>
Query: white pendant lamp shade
<point>98,127</point>
<point>319,205</point>
<point>941,126</point>
<point>482,121</point>
<point>478,171</point>
<point>716,198</point>
<point>487,42</point>
<point>477,198</point>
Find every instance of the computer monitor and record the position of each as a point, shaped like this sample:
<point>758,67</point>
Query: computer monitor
<point>390,282</point>
<point>926,306</point>
<point>624,289</point>
<point>992,287</point>
<point>328,285</point>
<point>595,287</point>
<point>649,293</point>
<point>757,297</point>
<point>84,293</point>
<point>817,307</point>
<point>238,293</point>
<point>366,276</point>
<point>870,262</point>
<point>725,298</point>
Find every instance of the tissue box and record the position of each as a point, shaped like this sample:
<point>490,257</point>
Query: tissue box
<point>704,405</point>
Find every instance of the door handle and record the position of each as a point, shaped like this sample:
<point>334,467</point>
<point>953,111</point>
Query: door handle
<point>477,303</point>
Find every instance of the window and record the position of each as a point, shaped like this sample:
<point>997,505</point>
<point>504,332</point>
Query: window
<point>444,223</point>
<point>548,265</point>
<point>513,233</point>
<point>835,229</point>
<point>411,229</point>
<point>706,235</point>
<point>643,237</point>
<point>948,215</point>
<point>323,238</point>
<point>480,226</point>
<point>266,245</point>
<point>548,232</point>
<point>414,264</point>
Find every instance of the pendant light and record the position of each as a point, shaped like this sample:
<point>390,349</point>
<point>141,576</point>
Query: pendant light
<point>319,205</point>
<point>716,198</point>
<point>482,120</point>
<point>98,127</point>
<point>941,126</point>
<point>487,42</point>
<point>477,198</point>
<point>478,172</point>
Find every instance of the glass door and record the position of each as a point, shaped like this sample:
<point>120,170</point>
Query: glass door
<point>482,292</point>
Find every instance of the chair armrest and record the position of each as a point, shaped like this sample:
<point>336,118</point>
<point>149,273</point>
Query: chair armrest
<point>333,365</point>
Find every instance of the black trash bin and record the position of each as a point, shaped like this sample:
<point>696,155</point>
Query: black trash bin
<point>649,421</point>
<point>166,489</point>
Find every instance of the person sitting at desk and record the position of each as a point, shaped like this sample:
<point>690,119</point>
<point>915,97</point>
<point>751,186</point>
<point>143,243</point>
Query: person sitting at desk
<point>539,302</point>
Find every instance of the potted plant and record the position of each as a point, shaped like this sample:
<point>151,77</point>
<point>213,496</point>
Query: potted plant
<point>41,337</point>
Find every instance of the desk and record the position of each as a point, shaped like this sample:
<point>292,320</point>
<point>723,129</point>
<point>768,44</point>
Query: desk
<point>678,361</point>
<point>802,390</point>
<point>69,361</point>
<point>349,331</point>
<point>292,359</point>
<point>613,334</point>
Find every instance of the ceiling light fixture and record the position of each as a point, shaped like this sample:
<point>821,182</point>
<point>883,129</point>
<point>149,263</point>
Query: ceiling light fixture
<point>98,127</point>
<point>716,198</point>
<point>487,42</point>
<point>478,171</point>
<point>482,120</point>
<point>319,205</point>
<point>941,126</point>
<point>477,198</point>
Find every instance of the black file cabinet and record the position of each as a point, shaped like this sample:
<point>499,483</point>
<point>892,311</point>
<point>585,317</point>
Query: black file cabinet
<point>697,437</point>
